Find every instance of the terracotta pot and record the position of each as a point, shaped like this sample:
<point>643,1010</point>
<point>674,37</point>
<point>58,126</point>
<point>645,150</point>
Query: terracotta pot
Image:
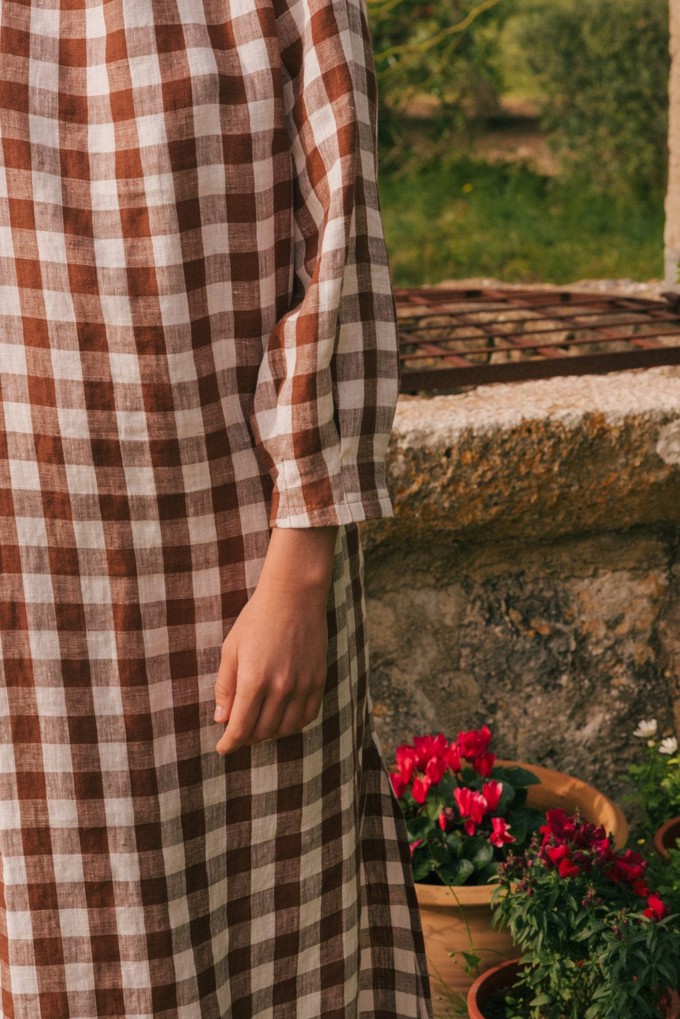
<point>445,911</point>
<point>666,837</point>
<point>504,976</point>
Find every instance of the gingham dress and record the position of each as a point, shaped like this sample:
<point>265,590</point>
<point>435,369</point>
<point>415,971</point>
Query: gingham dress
<point>197,342</point>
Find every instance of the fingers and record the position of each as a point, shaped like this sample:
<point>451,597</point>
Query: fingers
<point>225,682</point>
<point>244,713</point>
<point>298,714</point>
<point>268,721</point>
<point>254,719</point>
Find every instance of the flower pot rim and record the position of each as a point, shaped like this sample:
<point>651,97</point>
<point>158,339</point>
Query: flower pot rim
<point>494,974</point>
<point>480,895</point>
<point>491,975</point>
<point>662,832</point>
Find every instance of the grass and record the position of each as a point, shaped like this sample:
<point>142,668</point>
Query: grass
<point>460,217</point>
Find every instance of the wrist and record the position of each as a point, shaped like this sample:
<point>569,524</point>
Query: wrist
<point>300,560</point>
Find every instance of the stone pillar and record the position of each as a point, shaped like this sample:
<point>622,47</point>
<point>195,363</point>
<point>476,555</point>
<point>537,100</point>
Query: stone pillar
<point>672,205</point>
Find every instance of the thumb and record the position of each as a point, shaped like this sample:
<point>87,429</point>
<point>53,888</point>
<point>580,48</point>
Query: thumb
<point>225,682</point>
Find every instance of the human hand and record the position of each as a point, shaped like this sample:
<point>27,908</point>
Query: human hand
<point>272,672</point>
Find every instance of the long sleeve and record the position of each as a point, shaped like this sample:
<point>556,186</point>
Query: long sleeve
<point>328,382</point>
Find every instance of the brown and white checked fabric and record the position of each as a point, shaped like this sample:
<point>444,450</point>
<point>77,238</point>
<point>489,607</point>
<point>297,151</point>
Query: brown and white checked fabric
<point>197,342</point>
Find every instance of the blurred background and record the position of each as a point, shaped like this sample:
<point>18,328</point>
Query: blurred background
<point>524,140</point>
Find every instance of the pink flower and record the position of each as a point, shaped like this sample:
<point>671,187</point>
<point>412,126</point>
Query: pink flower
<point>656,909</point>
<point>474,743</point>
<point>420,787</point>
<point>499,836</point>
<point>414,845</point>
<point>398,784</point>
<point>491,792</point>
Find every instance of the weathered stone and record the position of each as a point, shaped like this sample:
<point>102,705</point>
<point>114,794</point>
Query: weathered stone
<point>530,579</point>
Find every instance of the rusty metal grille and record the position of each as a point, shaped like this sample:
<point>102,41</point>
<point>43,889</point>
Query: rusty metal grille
<point>453,339</point>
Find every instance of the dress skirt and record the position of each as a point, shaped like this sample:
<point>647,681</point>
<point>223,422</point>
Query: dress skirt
<point>197,344</point>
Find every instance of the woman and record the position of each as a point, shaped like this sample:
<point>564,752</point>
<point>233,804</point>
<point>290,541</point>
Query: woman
<point>197,380</point>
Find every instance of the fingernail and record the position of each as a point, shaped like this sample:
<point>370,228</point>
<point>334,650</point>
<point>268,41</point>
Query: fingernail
<point>220,713</point>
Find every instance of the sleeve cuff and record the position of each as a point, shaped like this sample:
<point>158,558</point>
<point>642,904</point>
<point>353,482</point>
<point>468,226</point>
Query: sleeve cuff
<point>330,501</point>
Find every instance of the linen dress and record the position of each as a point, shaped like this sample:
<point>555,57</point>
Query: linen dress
<point>197,343</point>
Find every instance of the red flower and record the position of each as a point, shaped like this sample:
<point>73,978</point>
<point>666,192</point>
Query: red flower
<point>435,768</point>
<point>474,743</point>
<point>499,836</point>
<point>406,761</point>
<point>558,824</point>
<point>420,787</point>
<point>398,784</point>
<point>414,845</point>
<point>470,803</point>
<point>491,792</point>
<point>453,756</point>
<point>656,909</point>
<point>567,868</point>
<point>483,764</point>
<point>445,818</point>
<point>429,746</point>
<point>557,853</point>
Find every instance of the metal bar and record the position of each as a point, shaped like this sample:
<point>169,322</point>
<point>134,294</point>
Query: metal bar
<point>575,342</point>
<point>514,371</point>
<point>569,323</point>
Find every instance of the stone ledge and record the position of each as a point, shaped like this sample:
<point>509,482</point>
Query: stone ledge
<point>537,459</point>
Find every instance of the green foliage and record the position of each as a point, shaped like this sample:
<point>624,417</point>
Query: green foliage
<point>603,68</point>
<point>458,217</point>
<point>656,779</point>
<point>455,857</point>
<point>588,949</point>
<point>665,875</point>
<point>445,49</point>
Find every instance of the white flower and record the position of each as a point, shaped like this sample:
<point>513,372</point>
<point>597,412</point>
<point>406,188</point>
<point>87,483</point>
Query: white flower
<point>646,729</point>
<point>669,745</point>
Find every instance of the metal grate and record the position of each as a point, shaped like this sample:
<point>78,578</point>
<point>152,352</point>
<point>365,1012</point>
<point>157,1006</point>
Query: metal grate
<point>452,339</point>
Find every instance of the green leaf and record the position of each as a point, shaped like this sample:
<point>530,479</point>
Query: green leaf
<point>472,961</point>
<point>483,856</point>
<point>464,870</point>
<point>517,777</point>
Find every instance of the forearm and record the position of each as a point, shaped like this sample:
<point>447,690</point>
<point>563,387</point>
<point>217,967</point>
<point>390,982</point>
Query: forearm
<point>300,560</point>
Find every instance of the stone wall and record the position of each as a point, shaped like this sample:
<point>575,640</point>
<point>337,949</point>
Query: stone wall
<point>530,579</point>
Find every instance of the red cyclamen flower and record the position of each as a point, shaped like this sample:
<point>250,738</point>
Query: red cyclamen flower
<point>453,757</point>
<point>499,836</point>
<point>435,769</point>
<point>398,784</point>
<point>429,746</point>
<point>483,764</point>
<point>406,761</point>
<point>491,791</point>
<point>420,787</point>
<point>474,743</point>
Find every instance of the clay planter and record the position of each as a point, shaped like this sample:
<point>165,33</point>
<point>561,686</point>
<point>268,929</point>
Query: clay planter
<point>444,911</point>
<point>504,976</point>
<point>666,836</point>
